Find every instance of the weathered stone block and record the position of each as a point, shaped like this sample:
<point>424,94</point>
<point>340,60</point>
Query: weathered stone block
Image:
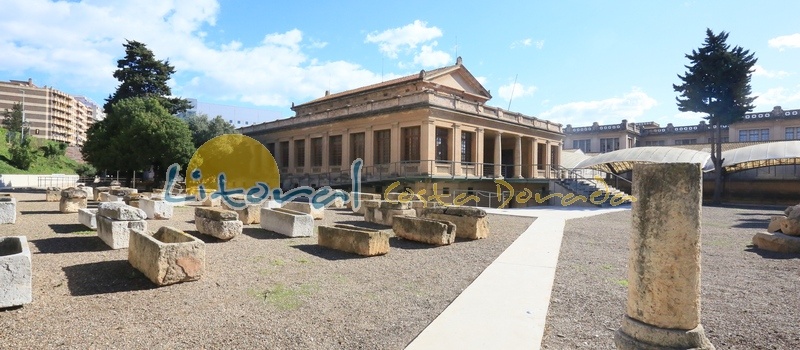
<point>212,202</point>
<point>272,204</point>
<point>98,191</point>
<point>89,191</point>
<point>167,256</point>
<point>120,211</point>
<point>107,197</point>
<point>308,208</point>
<point>53,194</point>
<point>222,229</point>
<point>116,234</point>
<point>156,209</point>
<point>362,197</point>
<point>775,223</point>
<point>15,271</point>
<point>8,210</point>
<point>436,232</point>
<point>353,239</point>
<point>393,205</point>
<point>777,242</point>
<point>250,214</point>
<point>122,191</point>
<point>791,226</point>
<point>88,217</point>
<point>216,214</point>
<point>386,217</point>
<point>71,200</point>
<point>287,222</point>
<point>471,223</point>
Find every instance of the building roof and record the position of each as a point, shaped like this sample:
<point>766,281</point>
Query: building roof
<point>761,155</point>
<point>622,160</point>
<point>421,76</point>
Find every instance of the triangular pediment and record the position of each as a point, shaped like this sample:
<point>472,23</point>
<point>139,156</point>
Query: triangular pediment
<point>458,78</point>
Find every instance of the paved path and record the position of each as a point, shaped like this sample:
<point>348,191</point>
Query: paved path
<point>506,306</point>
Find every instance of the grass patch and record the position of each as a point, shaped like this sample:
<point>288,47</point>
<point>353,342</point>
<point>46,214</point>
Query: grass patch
<point>622,283</point>
<point>277,262</point>
<point>303,261</point>
<point>283,297</point>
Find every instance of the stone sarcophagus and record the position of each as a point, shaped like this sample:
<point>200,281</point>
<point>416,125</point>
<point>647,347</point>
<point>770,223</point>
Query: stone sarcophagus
<point>167,256</point>
<point>8,209</point>
<point>217,222</point>
<point>287,222</point>
<point>471,223</point>
<point>15,271</point>
<point>53,194</point>
<point>353,239</point>
<point>115,220</point>
<point>430,231</point>
<point>384,212</point>
<point>305,207</point>
<point>71,200</point>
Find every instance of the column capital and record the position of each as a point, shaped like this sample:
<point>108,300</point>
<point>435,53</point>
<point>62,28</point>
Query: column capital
<point>480,130</point>
<point>456,126</point>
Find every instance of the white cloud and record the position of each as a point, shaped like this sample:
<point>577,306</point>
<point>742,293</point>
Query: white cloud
<point>428,57</point>
<point>56,40</point>
<point>763,72</point>
<point>539,44</point>
<point>483,80</point>
<point>518,90</point>
<point>630,106</point>
<point>779,96</point>
<point>392,41</point>
<point>785,41</point>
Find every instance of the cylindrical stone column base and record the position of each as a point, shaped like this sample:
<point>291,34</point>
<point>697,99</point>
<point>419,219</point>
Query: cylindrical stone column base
<point>635,335</point>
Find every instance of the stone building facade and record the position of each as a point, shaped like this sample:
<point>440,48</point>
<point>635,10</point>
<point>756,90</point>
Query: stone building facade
<point>423,129</point>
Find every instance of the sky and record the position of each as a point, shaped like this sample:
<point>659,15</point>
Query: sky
<point>571,62</point>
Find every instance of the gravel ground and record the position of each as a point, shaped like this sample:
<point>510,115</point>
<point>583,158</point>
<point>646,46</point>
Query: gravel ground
<point>259,291</point>
<point>749,296</point>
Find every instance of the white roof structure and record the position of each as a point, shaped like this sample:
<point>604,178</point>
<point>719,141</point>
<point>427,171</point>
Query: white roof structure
<point>570,158</point>
<point>622,160</point>
<point>761,155</point>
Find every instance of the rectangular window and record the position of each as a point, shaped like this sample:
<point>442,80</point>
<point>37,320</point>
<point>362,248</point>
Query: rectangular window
<point>541,154</point>
<point>382,139</point>
<point>284,157</point>
<point>554,152</point>
<point>609,145</point>
<point>410,144</point>
<point>271,149</point>
<point>467,139</point>
<point>299,153</point>
<point>441,143</point>
<point>335,150</point>
<point>754,135</point>
<point>583,145</point>
<point>316,151</point>
<point>655,143</point>
<point>686,142</point>
<point>356,146</point>
<point>793,133</point>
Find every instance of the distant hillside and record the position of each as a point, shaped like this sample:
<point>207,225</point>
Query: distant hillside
<point>53,165</point>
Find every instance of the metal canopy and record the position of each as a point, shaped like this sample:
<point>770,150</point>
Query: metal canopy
<point>761,155</point>
<point>622,160</point>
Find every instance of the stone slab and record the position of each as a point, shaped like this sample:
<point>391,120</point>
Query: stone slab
<point>222,229</point>
<point>15,271</point>
<point>386,217</point>
<point>71,205</point>
<point>217,214</point>
<point>156,209</point>
<point>120,211</point>
<point>304,207</point>
<point>8,211</point>
<point>88,217</point>
<point>777,242</point>
<point>471,223</point>
<point>287,222</point>
<point>430,231</point>
<point>352,239</point>
<point>116,234</point>
<point>167,256</point>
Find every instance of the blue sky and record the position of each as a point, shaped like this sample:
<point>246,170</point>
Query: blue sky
<point>574,62</point>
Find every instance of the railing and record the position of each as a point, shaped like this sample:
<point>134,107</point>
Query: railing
<point>611,179</point>
<point>486,199</point>
<point>422,169</point>
<point>56,181</point>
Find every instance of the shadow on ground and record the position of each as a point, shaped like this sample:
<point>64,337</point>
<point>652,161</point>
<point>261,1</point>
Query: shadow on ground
<point>34,212</point>
<point>326,253</point>
<point>68,228</point>
<point>397,242</point>
<point>752,223</point>
<point>58,245</point>
<point>767,254</point>
<point>105,277</point>
<point>260,233</point>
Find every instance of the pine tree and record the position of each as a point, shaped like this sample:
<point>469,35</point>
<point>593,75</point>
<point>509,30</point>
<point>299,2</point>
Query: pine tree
<point>717,84</point>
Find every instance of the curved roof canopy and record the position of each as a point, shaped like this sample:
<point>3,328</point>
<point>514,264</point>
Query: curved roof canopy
<point>622,160</point>
<point>761,155</point>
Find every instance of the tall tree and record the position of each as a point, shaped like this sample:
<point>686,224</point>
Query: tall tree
<point>142,75</point>
<point>12,119</point>
<point>717,84</point>
<point>204,129</point>
<point>136,134</point>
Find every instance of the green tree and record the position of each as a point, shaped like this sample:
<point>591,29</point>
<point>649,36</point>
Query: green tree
<point>138,133</point>
<point>12,119</point>
<point>22,154</point>
<point>204,129</point>
<point>141,75</point>
<point>717,84</point>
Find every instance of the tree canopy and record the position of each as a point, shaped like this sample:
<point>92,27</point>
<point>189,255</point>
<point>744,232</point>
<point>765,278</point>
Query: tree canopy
<point>12,119</point>
<point>142,75</point>
<point>204,129</point>
<point>138,133</point>
<point>717,84</point>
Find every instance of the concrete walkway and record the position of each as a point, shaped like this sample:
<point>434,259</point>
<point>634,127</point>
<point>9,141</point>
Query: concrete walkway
<point>506,306</point>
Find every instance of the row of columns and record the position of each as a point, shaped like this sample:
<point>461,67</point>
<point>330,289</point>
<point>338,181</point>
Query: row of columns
<point>427,151</point>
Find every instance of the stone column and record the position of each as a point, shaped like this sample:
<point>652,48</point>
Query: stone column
<point>479,149</point>
<point>346,161</point>
<point>532,159</point>
<point>456,150</point>
<point>369,148</point>
<point>292,162</point>
<point>498,145</point>
<point>307,156</point>
<point>277,155</point>
<point>535,158</point>
<point>394,148</point>
<point>326,152</point>
<point>517,156</point>
<point>548,171</point>
<point>427,142</point>
<point>663,308</point>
